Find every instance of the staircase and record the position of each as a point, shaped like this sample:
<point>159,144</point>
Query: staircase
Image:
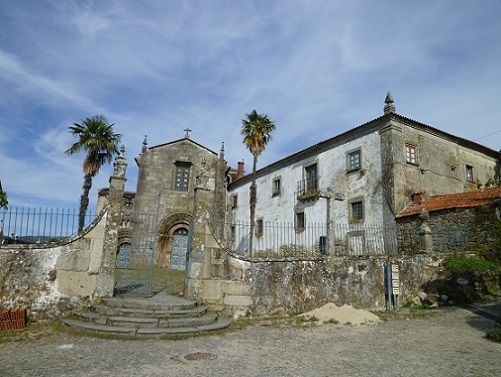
<point>160,315</point>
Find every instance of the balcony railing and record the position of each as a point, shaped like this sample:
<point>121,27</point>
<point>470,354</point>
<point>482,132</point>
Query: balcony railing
<point>308,188</point>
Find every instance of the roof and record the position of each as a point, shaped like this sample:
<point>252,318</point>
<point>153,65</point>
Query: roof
<point>183,139</point>
<point>345,136</point>
<point>451,201</point>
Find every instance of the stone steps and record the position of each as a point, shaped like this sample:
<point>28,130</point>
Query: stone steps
<point>219,324</point>
<point>155,313</point>
<point>152,317</point>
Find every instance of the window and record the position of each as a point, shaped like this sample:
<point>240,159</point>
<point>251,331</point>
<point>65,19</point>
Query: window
<point>300,221</point>
<point>233,232</point>
<point>234,201</point>
<point>469,173</point>
<point>311,177</point>
<point>410,154</point>
<point>259,227</point>
<point>182,176</point>
<point>357,211</point>
<point>353,160</point>
<point>276,187</point>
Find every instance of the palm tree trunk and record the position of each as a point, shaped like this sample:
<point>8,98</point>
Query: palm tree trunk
<point>252,203</point>
<point>84,202</point>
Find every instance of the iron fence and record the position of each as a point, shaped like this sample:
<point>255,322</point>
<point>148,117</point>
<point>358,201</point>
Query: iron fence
<point>311,240</point>
<point>39,225</point>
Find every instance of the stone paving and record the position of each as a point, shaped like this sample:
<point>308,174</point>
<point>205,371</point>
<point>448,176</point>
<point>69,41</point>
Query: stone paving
<point>450,343</point>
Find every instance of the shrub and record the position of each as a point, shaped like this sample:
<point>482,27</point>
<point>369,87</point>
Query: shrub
<point>459,263</point>
<point>494,334</point>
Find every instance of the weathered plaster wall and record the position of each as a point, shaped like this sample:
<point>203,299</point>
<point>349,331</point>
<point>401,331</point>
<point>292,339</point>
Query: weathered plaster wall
<point>50,278</point>
<point>441,165</point>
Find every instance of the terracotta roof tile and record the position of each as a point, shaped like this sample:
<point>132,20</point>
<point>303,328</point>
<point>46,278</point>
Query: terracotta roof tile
<point>461,200</point>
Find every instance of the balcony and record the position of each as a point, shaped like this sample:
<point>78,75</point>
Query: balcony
<point>308,189</point>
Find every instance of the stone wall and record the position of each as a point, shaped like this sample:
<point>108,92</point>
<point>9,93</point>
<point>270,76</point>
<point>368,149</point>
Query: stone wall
<point>267,288</point>
<point>50,278</point>
<point>451,229</point>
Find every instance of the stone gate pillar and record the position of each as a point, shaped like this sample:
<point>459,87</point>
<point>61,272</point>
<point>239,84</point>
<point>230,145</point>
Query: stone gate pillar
<point>106,277</point>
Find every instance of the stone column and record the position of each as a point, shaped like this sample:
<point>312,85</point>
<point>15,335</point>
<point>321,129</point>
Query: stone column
<point>106,277</point>
<point>425,234</point>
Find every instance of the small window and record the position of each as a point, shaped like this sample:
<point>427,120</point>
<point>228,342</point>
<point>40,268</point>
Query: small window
<point>357,211</point>
<point>233,232</point>
<point>300,221</point>
<point>182,176</point>
<point>276,187</point>
<point>234,201</point>
<point>353,160</point>
<point>259,227</point>
<point>410,154</point>
<point>469,173</point>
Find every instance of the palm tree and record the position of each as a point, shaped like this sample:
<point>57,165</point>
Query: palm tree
<point>96,138</point>
<point>256,130</point>
<point>3,198</point>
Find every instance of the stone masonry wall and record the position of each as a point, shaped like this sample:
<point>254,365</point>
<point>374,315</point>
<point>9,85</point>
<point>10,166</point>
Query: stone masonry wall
<point>51,278</point>
<point>451,229</point>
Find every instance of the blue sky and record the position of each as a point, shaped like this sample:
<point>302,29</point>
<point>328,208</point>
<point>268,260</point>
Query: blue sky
<point>318,68</point>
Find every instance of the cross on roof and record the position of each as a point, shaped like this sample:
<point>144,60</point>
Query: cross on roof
<point>187,134</point>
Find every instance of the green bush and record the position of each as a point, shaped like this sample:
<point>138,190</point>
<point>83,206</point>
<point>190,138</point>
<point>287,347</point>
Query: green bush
<point>459,263</point>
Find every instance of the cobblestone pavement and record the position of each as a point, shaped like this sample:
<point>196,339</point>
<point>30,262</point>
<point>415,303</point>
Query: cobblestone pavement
<point>451,343</point>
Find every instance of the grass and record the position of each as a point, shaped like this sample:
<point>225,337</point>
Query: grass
<point>460,263</point>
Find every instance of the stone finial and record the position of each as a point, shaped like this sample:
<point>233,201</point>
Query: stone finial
<point>120,164</point>
<point>145,144</point>
<point>390,104</point>
<point>221,152</point>
<point>187,133</point>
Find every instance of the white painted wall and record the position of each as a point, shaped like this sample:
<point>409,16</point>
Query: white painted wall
<point>334,180</point>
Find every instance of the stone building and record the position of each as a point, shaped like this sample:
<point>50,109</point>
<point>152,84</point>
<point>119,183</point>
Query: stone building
<point>366,175</point>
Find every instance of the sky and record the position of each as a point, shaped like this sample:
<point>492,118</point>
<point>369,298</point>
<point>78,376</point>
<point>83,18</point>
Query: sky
<point>317,68</point>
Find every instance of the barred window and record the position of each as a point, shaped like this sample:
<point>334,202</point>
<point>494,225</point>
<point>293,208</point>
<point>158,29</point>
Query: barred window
<point>182,176</point>
<point>357,211</point>
<point>300,222</point>
<point>259,227</point>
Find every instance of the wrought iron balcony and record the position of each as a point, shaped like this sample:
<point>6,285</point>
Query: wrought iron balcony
<point>308,188</point>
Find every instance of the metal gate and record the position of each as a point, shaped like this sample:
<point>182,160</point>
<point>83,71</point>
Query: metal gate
<point>137,261</point>
<point>179,249</point>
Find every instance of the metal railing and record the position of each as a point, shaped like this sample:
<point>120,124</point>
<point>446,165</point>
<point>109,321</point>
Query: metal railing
<point>363,239</point>
<point>282,240</point>
<point>39,225</point>
<point>308,187</point>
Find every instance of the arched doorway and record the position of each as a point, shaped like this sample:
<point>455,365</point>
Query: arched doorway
<point>179,249</point>
<point>172,241</point>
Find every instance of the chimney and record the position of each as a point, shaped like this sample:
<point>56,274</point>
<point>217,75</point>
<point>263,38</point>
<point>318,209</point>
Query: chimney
<point>240,169</point>
<point>419,196</point>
